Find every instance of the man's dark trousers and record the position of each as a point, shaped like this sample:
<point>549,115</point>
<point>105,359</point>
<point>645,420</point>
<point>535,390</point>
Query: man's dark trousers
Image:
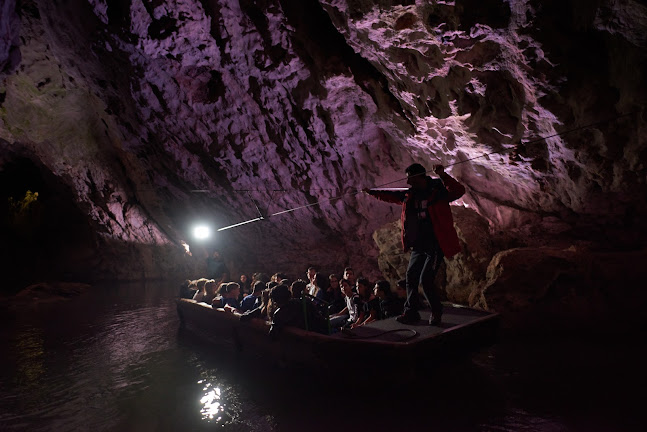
<point>423,266</point>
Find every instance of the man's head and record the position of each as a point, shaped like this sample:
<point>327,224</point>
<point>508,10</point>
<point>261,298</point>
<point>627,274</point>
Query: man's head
<point>349,275</point>
<point>382,289</point>
<point>346,288</point>
<point>297,288</point>
<point>416,176</point>
<point>363,287</point>
<point>210,287</point>
<point>259,286</point>
<point>280,294</point>
<point>233,290</point>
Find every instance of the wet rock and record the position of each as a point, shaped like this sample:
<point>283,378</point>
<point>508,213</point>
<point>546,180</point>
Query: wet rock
<point>46,292</point>
<point>466,271</point>
<point>392,260</point>
<point>552,288</point>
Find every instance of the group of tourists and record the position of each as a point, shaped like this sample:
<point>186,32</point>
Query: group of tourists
<point>329,305</point>
<point>320,303</point>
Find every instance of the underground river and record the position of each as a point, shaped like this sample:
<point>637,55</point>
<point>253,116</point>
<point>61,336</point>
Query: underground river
<point>115,359</point>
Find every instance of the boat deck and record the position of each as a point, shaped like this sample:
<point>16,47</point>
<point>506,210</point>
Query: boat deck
<point>381,342</point>
<point>455,318</point>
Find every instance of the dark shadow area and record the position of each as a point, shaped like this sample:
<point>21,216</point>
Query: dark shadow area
<point>44,236</point>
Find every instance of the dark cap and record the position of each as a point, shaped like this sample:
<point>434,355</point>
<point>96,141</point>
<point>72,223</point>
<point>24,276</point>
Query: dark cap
<point>415,169</point>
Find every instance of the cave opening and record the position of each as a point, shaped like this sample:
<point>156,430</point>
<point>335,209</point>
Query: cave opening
<point>45,235</point>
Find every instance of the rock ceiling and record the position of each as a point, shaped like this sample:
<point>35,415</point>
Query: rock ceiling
<point>126,107</point>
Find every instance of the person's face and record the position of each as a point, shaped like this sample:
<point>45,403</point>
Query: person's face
<point>243,278</point>
<point>235,293</point>
<point>418,182</point>
<point>401,292</point>
<point>377,292</point>
<point>361,289</point>
<point>334,282</point>
<point>311,275</point>
<point>211,287</point>
<point>216,255</point>
<point>345,288</point>
<point>349,274</point>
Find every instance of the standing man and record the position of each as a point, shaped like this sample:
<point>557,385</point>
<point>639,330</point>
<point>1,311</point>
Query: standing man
<point>216,268</point>
<point>428,231</point>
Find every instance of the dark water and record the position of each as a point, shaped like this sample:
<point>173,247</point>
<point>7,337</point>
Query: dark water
<point>115,360</point>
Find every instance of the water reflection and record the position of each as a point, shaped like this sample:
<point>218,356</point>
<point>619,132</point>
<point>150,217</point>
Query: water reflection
<point>116,361</point>
<point>211,406</point>
<point>30,355</point>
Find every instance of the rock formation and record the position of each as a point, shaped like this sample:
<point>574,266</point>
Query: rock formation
<point>116,112</point>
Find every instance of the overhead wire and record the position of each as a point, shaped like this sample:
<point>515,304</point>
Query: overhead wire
<point>357,191</point>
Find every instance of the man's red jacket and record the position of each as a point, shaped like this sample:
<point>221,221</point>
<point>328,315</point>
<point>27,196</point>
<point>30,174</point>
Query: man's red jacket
<point>439,195</point>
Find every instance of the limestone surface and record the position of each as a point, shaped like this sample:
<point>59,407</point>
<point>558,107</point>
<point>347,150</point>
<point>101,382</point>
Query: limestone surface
<point>136,119</point>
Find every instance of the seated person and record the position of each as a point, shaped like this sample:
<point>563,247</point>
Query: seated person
<point>188,289</point>
<point>369,304</point>
<point>347,316</point>
<point>278,277</point>
<point>259,312</point>
<point>212,290</point>
<point>245,286</point>
<point>260,277</point>
<point>333,295</point>
<point>310,275</point>
<point>230,297</point>
<point>201,292</point>
<point>297,288</point>
<point>388,307</point>
<point>218,300</point>
<point>349,275</point>
<point>320,283</point>
<point>253,300</point>
<point>295,313</point>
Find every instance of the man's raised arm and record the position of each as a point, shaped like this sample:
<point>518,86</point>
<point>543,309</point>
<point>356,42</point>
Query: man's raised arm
<point>390,196</point>
<point>455,189</point>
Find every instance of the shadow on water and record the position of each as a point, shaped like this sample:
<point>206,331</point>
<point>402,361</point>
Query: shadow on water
<point>116,359</point>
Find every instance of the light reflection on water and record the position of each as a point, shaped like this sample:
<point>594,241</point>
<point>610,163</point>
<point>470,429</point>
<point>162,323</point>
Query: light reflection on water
<point>211,406</point>
<point>114,360</point>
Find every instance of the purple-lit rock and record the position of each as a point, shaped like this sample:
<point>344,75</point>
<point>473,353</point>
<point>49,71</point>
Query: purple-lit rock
<point>122,109</point>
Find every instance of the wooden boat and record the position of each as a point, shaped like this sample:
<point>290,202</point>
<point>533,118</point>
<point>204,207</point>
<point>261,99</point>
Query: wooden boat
<point>463,330</point>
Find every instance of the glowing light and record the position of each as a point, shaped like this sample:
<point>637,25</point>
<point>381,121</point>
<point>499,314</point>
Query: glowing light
<point>186,248</point>
<point>201,232</point>
<point>211,405</point>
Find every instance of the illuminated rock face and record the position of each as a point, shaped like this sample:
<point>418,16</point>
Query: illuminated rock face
<point>128,106</point>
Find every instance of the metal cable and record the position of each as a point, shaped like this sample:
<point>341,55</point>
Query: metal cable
<point>355,192</point>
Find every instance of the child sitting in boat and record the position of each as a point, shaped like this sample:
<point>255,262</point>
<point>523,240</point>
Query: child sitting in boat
<point>389,306</point>
<point>253,300</point>
<point>347,316</point>
<point>230,298</point>
<point>188,289</point>
<point>368,306</point>
<point>211,289</point>
<point>201,291</point>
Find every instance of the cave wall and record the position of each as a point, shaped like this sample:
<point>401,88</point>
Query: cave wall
<point>133,104</point>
